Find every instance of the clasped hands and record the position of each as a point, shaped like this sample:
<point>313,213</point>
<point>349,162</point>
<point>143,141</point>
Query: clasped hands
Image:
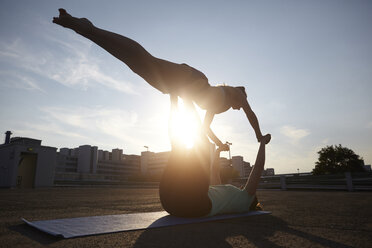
<point>223,147</point>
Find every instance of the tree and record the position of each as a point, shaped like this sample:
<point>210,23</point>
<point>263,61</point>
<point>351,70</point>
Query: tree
<point>337,159</point>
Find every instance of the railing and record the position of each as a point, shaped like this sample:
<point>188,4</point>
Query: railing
<point>348,181</point>
<point>107,183</point>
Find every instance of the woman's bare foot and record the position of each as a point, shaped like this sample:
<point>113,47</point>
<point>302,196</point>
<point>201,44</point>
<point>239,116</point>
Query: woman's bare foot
<point>79,25</point>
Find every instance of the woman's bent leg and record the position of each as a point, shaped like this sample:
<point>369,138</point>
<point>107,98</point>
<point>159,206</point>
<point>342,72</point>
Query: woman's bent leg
<point>183,189</point>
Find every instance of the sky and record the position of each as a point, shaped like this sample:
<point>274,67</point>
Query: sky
<point>306,67</point>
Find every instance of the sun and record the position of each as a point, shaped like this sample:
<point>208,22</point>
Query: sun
<point>184,126</point>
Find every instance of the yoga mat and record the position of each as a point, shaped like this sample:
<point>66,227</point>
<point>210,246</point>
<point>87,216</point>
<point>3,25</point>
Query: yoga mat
<point>83,226</point>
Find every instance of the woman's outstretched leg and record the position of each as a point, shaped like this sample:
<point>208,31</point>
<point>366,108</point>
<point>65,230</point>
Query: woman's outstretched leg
<point>166,76</point>
<point>254,177</point>
<point>127,50</point>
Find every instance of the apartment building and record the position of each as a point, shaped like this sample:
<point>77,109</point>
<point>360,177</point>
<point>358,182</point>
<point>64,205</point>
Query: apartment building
<point>89,163</point>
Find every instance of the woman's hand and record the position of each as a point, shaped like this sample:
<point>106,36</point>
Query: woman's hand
<point>79,25</point>
<point>265,139</point>
<point>223,147</point>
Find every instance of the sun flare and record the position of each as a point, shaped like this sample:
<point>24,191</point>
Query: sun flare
<point>185,126</point>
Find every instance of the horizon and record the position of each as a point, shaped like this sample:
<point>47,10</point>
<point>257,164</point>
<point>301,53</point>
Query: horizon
<point>305,67</point>
<point>147,150</point>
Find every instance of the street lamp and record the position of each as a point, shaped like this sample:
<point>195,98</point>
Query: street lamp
<point>146,148</point>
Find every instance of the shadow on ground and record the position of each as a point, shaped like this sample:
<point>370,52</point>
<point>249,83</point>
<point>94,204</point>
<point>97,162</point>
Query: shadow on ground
<point>256,231</point>
<point>34,234</point>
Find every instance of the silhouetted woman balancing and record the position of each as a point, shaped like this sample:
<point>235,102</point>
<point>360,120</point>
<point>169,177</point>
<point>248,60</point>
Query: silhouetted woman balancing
<point>185,188</point>
<point>170,78</point>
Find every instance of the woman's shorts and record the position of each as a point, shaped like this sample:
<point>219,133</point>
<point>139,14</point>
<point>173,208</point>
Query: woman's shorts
<point>180,79</point>
<point>229,199</point>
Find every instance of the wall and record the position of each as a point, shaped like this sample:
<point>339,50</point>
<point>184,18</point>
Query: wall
<point>7,168</point>
<point>10,156</point>
<point>46,163</point>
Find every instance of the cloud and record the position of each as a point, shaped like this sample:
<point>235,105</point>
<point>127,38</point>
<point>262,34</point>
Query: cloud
<point>369,124</point>
<point>96,118</point>
<point>103,124</point>
<point>285,160</point>
<point>12,79</point>
<point>294,134</point>
<point>9,54</point>
<point>110,126</point>
<point>66,60</point>
<point>51,128</point>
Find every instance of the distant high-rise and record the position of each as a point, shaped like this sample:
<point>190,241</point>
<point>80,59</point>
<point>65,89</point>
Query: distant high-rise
<point>153,163</point>
<point>88,163</point>
<point>238,164</point>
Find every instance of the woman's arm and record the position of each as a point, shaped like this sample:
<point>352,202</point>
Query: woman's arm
<point>252,118</point>
<point>173,110</point>
<point>206,126</point>
<point>256,172</point>
<point>215,178</point>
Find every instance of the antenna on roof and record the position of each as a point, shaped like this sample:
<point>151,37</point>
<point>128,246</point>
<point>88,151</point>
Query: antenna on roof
<point>7,137</point>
